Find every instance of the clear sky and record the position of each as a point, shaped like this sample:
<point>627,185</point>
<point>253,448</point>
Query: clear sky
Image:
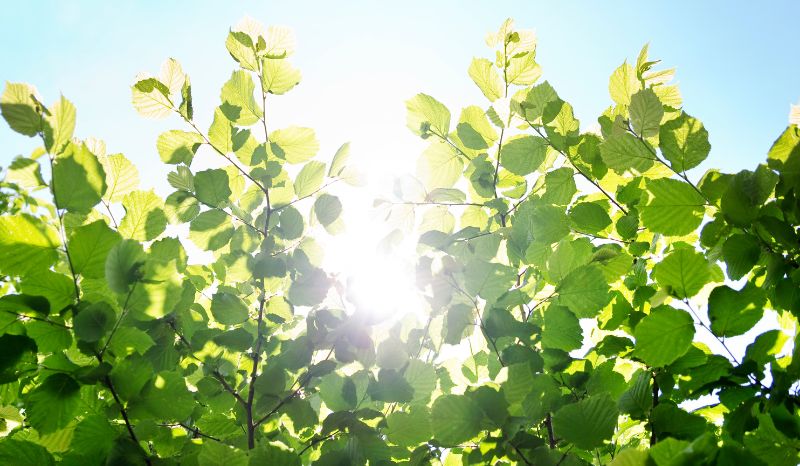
<point>736,64</point>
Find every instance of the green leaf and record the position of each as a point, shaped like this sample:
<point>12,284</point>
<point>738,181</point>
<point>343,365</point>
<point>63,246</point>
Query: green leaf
<point>238,101</point>
<point>550,224</point>
<point>561,329</point>
<point>25,172</point>
<point>273,454</point>
<point>588,422</point>
<point>167,397</point>
<point>240,46</point>
<point>733,312</point>
<point>646,113</point>
<point>151,99</point>
<point>392,354</point>
<point>24,453</point>
<point>278,75</point>
<point>49,338</point>
<point>212,187</point>
<point>589,217</point>
<point>89,246</point>
<point>220,133</point>
<point>638,399</point>
<point>683,273</point>
<point>211,230</point>
<point>440,166</point>
<point>94,436</point>
<point>59,289</point>
<point>186,109</point>
<point>294,144</point>
<point>624,152</point>
<point>60,126</point>
<point>559,186</point>
<point>675,208</point>
<point>522,155</point>
<point>79,180</point>
<point>740,252</point>
<point>327,208</point>
<point>228,309</point>
<point>747,192</point>
<point>474,131</point>
<point>20,108</point>
<point>144,218</point>
<point>26,243</point>
<point>15,347</point>
<point>663,336</point>
<point>181,207</point>
<point>309,179</point>
<point>92,323</point>
<point>427,115</point>
<point>122,177</point>
<point>408,429</point>
<point>584,291</point>
<point>177,146</point>
<point>123,265</point>
<point>457,419</point>
<point>623,84</point>
<point>339,162</point>
<point>53,404</point>
<point>684,142</point>
<point>485,76</point>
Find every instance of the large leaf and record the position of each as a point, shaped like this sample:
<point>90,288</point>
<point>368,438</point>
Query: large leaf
<point>144,218</point>
<point>584,291</point>
<point>54,403</point>
<point>309,179</point>
<point>122,177</point>
<point>624,152</point>
<point>20,108</point>
<point>485,76</point>
<point>684,142</point>
<point>663,336</point>
<point>588,422</point>
<point>177,146</point>
<point>26,243</point>
<point>733,312</point>
<point>675,208</point>
<point>238,101</point>
<point>228,309</point>
<point>683,273</point>
<point>646,113</point>
<point>278,75</point>
<point>522,155</point>
<point>457,419</point>
<point>79,180</point>
<point>212,187</point>
<point>427,115</point>
<point>294,144</point>
<point>89,246</point>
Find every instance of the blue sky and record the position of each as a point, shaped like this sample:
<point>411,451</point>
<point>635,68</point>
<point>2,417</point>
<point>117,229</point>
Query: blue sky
<point>736,64</point>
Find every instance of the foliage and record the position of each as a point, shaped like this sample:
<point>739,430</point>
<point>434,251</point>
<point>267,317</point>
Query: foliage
<point>569,280</point>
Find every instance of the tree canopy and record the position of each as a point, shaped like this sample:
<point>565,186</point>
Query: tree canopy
<point>579,289</point>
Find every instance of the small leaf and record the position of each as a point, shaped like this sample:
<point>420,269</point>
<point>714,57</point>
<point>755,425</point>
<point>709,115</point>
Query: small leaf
<point>733,312</point>
<point>89,246</point>
<point>60,126</point>
<point>278,75</point>
<point>485,76</point>
<point>623,84</point>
